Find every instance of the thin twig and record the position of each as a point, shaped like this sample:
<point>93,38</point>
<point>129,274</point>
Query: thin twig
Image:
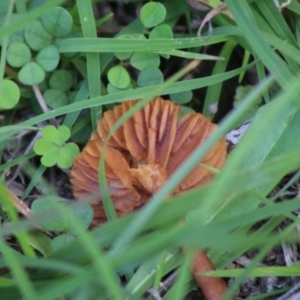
<point>154,293</point>
<point>289,295</point>
<point>40,98</point>
<point>42,102</point>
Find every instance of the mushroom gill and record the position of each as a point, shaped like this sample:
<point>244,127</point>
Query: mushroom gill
<point>142,154</point>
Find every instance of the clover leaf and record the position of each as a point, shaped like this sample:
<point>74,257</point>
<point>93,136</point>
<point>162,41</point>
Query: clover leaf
<point>18,54</point>
<point>9,94</point>
<point>150,76</point>
<point>53,147</point>
<point>152,14</point>
<point>36,36</point>
<point>57,21</point>
<point>31,73</point>
<point>118,77</point>
<point>48,58</point>
<point>55,215</point>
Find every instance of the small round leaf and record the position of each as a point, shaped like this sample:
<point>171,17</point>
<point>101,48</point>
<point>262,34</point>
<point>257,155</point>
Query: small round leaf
<point>36,36</point>
<point>182,97</point>
<point>119,77</point>
<point>43,146</point>
<point>48,213</point>
<point>9,94</point>
<point>135,36</point>
<point>83,212</point>
<point>61,80</point>
<point>18,54</point>
<point>55,135</point>
<point>49,132</point>
<point>152,14</point>
<point>63,134</point>
<point>49,159</point>
<point>142,60</point>
<point>48,58</point>
<point>31,73</point>
<point>66,155</point>
<point>57,21</point>
<point>162,31</point>
<point>55,98</point>
<point>54,215</point>
<point>61,241</point>
<point>150,76</point>
<point>111,89</point>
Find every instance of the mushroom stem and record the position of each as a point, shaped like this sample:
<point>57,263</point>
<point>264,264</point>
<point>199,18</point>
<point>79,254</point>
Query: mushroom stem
<point>213,288</point>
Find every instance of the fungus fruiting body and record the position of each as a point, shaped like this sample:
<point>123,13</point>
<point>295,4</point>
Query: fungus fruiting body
<point>140,157</point>
<point>142,154</point>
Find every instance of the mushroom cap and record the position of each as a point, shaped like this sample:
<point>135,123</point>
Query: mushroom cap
<point>142,154</point>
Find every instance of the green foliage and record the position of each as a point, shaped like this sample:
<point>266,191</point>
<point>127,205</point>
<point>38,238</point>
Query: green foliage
<point>36,36</point>
<point>57,21</point>
<point>31,73</point>
<point>53,148</point>
<point>4,7</point>
<point>41,46</point>
<point>18,54</point>
<point>39,241</point>
<point>60,82</point>
<point>148,62</point>
<point>55,98</point>
<point>150,76</point>
<point>59,221</point>
<point>142,60</point>
<point>40,36</point>
<point>152,14</point>
<point>48,58</point>
<point>241,93</point>
<point>63,240</point>
<point>9,94</point>
<point>162,31</point>
<point>118,77</point>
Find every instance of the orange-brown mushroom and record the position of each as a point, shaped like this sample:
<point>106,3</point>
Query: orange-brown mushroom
<point>142,154</point>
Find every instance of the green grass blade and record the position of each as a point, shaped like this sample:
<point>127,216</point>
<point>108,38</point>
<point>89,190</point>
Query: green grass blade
<point>22,281</point>
<point>276,20</point>
<point>122,45</point>
<point>93,60</point>
<point>270,59</point>
<point>214,91</point>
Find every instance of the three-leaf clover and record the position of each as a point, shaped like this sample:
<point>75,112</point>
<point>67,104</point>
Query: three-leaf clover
<point>53,147</point>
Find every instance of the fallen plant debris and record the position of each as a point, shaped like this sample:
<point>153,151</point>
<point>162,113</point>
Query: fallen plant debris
<point>140,157</point>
